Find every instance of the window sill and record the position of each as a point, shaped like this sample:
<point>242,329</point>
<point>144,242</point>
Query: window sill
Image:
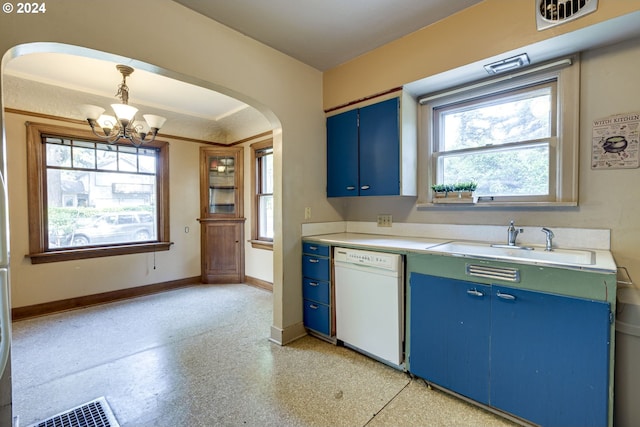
<point>97,252</point>
<point>261,244</point>
<point>480,205</point>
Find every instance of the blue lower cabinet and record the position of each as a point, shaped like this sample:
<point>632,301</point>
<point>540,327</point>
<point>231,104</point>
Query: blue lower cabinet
<point>316,316</point>
<point>454,351</point>
<point>316,287</point>
<point>539,356</point>
<point>550,357</point>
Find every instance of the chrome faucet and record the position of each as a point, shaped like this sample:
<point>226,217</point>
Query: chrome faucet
<point>512,233</point>
<point>550,236</point>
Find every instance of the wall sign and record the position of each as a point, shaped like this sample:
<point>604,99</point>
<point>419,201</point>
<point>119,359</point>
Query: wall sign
<point>615,142</point>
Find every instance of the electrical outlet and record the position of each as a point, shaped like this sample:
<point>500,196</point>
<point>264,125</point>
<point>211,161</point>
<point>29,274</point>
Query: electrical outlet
<point>384,220</point>
<point>307,213</point>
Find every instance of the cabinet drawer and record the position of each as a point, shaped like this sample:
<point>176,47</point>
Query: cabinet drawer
<point>315,249</point>
<point>316,316</point>
<point>315,290</point>
<point>315,267</point>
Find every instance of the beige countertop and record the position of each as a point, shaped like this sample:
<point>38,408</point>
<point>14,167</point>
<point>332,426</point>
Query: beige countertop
<point>603,260</point>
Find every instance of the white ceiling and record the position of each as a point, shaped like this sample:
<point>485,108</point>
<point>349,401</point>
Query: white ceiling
<point>326,33</point>
<point>58,84</point>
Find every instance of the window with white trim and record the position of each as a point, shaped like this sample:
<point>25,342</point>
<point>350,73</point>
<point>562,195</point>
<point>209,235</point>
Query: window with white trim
<point>262,185</point>
<point>516,137</point>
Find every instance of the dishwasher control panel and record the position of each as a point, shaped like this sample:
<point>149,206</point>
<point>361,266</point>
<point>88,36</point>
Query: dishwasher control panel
<point>380,260</point>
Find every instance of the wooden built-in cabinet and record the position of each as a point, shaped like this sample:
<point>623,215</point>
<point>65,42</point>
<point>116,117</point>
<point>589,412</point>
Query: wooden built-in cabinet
<point>221,215</point>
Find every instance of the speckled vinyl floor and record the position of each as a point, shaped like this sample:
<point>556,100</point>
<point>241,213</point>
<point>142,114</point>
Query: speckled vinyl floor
<point>200,356</point>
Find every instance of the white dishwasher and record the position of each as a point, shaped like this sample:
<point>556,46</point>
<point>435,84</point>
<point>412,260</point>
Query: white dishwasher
<point>369,292</point>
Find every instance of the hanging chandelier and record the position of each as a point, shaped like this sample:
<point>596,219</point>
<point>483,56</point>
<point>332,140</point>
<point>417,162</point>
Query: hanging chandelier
<point>124,125</point>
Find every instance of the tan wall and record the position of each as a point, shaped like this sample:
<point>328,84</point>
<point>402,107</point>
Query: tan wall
<point>190,47</point>
<point>258,262</point>
<point>607,198</point>
<point>489,28</point>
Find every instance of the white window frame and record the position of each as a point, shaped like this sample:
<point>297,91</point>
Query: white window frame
<point>564,147</point>
<point>257,148</point>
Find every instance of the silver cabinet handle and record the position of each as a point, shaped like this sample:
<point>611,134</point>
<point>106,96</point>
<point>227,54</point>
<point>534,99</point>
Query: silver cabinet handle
<point>351,187</point>
<point>475,293</point>
<point>505,296</point>
<point>313,283</point>
<point>313,306</point>
<point>314,261</point>
<point>313,248</point>
<point>365,187</point>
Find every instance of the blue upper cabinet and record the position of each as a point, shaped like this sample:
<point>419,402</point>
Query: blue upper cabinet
<point>342,154</point>
<point>371,151</point>
<point>378,150</point>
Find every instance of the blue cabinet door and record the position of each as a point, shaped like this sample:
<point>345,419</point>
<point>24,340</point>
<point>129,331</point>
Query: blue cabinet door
<point>379,149</point>
<point>449,334</point>
<point>550,357</point>
<point>342,154</point>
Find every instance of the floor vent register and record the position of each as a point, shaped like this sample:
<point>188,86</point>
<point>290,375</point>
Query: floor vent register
<point>96,413</point>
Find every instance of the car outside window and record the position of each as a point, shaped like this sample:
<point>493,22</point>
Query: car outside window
<point>92,186</point>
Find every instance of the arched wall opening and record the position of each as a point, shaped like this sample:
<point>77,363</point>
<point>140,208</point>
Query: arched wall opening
<point>38,277</point>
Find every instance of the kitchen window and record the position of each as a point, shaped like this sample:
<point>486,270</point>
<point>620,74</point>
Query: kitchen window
<point>262,184</point>
<point>88,198</point>
<point>516,137</point>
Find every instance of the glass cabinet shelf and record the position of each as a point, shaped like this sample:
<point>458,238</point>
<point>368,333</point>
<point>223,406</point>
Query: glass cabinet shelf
<point>222,169</point>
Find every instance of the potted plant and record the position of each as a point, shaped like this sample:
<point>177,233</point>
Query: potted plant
<point>461,192</point>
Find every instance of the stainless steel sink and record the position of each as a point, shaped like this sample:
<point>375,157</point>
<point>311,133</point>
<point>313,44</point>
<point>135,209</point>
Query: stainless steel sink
<point>531,254</point>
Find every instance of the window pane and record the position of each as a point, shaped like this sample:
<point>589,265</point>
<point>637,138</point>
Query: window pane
<point>265,221</point>
<point>521,117</point>
<point>516,172</point>
<point>127,162</point>
<point>58,152</point>
<point>266,173</point>
<point>147,160</point>
<point>84,157</point>
<point>107,157</point>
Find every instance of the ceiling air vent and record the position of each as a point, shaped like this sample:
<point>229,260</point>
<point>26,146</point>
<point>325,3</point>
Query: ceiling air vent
<point>550,13</point>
